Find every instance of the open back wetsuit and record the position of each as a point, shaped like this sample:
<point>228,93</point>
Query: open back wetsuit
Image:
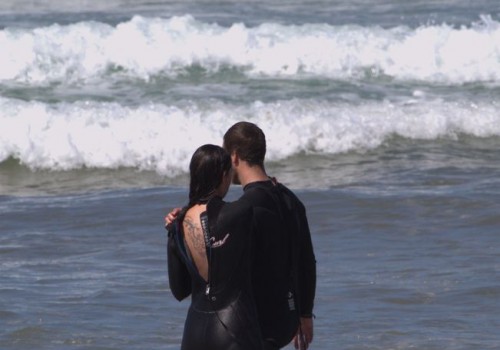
<point>284,272</point>
<point>222,314</point>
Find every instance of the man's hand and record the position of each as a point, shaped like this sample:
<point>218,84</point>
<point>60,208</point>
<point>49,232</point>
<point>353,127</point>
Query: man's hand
<point>304,334</point>
<point>171,216</point>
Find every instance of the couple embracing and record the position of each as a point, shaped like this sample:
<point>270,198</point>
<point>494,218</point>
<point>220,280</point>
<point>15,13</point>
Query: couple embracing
<point>248,265</point>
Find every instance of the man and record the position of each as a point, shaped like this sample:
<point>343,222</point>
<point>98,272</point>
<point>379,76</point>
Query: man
<point>284,270</point>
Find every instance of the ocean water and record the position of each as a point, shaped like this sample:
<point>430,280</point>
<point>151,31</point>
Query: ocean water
<point>382,115</point>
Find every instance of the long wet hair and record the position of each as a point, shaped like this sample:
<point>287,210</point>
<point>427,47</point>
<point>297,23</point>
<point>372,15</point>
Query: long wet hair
<point>206,169</point>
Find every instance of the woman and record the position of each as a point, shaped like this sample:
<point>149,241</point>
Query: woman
<point>209,256</point>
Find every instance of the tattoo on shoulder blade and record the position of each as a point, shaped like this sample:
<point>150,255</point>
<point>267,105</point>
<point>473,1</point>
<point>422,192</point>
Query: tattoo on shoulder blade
<point>195,233</point>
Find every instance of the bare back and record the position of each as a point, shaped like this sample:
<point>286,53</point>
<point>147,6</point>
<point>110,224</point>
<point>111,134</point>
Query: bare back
<point>195,240</point>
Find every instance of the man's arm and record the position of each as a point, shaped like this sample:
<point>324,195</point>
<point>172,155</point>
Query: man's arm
<point>307,282</point>
<point>170,217</point>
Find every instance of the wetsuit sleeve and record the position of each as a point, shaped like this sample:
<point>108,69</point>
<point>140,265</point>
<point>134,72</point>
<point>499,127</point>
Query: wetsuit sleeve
<point>306,266</point>
<point>178,274</point>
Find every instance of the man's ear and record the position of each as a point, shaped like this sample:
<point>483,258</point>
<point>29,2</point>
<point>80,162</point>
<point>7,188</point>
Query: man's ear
<point>235,159</point>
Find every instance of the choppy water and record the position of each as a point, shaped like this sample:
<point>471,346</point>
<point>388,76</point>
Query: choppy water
<point>382,115</point>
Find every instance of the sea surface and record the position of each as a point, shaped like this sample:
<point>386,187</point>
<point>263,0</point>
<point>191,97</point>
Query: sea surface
<point>382,115</point>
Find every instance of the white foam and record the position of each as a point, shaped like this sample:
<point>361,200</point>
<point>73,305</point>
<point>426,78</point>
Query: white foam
<point>145,47</point>
<point>162,138</point>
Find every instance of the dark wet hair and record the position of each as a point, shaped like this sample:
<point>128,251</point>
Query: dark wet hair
<point>248,141</point>
<point>207,167</point>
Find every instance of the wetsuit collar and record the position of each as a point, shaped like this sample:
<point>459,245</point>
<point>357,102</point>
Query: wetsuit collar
<point>269,182</point>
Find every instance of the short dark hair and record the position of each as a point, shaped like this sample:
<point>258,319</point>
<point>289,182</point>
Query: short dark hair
<point>248,141</point>
<point>207,167</point>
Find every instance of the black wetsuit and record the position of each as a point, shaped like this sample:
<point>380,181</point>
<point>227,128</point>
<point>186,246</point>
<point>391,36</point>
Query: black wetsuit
<point>284,272</point>
<point>222,314</point>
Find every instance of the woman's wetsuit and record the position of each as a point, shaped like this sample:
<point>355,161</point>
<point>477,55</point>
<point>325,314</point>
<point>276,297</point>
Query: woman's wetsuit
<point>222,314</point>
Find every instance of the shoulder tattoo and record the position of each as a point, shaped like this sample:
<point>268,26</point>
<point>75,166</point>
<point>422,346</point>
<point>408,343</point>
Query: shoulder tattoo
<point>195,234</point>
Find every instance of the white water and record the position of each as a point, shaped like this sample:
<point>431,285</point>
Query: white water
<point>162,138</point>
<point>145,47</point>
<point>140,93</point>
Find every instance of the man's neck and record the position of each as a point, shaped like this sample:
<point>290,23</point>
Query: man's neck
<point>252,174</point>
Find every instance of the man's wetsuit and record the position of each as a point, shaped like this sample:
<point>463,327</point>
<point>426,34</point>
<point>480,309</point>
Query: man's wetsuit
<point>222,314</point>
<point>284,272</point>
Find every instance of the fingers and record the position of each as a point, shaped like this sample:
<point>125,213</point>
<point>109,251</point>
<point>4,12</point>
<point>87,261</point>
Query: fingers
<point>301,341</point>
<point>169,219</point>
<point>171,216</point>
<point>304,334</point>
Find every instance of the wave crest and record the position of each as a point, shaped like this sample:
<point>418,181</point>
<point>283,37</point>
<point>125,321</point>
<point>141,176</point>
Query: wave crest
<point>162,138</point>
<point>146,47</point>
